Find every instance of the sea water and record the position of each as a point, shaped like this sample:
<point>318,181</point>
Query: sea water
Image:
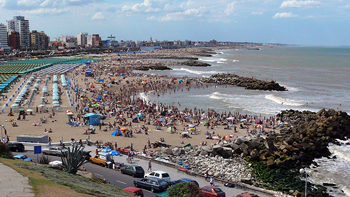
<point>316,78</point>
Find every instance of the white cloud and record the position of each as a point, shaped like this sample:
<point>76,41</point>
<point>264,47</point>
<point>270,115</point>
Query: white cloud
<point>46,11</point>
<point>257,13</point>
<point>230,8</point>
<point>299,4</point>
<point>98,16</point>
<point>185,15</point>
<point>345,7</point>
<point>285,15</point>
<point>146,6</point>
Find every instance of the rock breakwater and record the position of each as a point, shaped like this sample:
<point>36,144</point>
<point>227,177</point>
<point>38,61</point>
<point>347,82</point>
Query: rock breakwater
<point>247,82</point>
<point>195,63</point>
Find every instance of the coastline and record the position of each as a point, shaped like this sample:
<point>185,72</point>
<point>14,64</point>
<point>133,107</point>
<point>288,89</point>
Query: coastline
<point>139,139</point>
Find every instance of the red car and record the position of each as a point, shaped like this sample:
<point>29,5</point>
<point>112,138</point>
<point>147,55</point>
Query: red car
<point>136,191</point>
<point>246,195</point>
<point>211,191</point>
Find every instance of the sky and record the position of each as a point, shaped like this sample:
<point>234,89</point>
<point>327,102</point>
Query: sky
<point>300,22</point>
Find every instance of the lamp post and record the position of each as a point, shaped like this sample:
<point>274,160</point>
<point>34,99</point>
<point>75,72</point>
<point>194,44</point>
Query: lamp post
<point>302,171</point>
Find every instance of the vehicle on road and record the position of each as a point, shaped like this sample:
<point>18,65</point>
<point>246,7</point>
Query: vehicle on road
<point>163,194</point>
<point>101,159</point>
<point>55,150</point>
<point>246,195</point>
<point>151,183</point>
<point>136,191</point>
<point>159,174</point>
<point>55,163</point>
<point>183,180</point>
<point>133,170</point>
<point>22,157</point>
<point>16,146</point>
<point>209,191</point>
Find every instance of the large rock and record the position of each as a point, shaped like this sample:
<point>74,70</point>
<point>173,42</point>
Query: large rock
<point>178,151</point>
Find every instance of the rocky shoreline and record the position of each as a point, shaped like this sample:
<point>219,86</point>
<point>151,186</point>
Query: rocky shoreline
<point>304,137</point>
<point>195,63</point>
<point>247,82</point>
<point>154,67</point>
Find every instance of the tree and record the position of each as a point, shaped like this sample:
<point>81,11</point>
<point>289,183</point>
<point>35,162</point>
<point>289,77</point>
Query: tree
<point>72,160</point>
<point>184,189</point>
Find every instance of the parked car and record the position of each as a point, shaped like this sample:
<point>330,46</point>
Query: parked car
<point>246,195</point>
<point>211,191</point>
<point>22,157</point>
<point>151,183</point>
<point>159,174</point>
<point>136,191</point>
<point>163,194</point>
<point>55,163</point>
<point>132,170</point>
<point>16,146</point>
<point>184,180</point>
<point>55,150</point>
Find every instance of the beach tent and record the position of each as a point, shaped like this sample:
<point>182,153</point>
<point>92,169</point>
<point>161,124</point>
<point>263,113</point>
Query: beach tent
<point>170,130</point>
<point>116,132</point>
<point>93,119</point>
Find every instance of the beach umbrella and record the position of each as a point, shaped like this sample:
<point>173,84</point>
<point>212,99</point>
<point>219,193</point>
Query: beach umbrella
<point>106,150</point>
<point>86,108</point>
<point>191,125</point>
<point>124,129</point>
<point>118,101</point>
<point>96,105</point>
<point>56,105</point>
<point>184,133</point>
<point>55,102</point>
<point>114,153</point>
<point>22,109</point>
<point>42,105</point>
<point>68,111</point>
<point>29,110</point>
<point>14,105</point>
<point>230,118</point>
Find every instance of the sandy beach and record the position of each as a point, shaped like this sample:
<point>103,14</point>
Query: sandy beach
<point>119,103</point>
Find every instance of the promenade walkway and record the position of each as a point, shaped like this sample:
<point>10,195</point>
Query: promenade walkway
<point>13,183</point>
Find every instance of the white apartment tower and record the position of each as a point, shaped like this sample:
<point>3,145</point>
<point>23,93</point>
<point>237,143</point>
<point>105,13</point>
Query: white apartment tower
<point>3,37</point>
<point>20,25</point>
<point>82,39</point>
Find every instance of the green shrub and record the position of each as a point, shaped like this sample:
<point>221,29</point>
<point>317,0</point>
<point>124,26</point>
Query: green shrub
<point>184,189</point>
<point>44,159</point>
<point>5,151</point>
<point>73,159</point>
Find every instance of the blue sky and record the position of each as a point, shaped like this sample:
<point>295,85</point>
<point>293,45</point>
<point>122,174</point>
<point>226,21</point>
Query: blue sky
<point>302,22</point>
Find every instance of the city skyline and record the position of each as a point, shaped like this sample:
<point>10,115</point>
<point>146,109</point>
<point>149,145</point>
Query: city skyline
<point>308,22</point>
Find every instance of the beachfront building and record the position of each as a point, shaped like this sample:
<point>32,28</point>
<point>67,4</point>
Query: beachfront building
<point>65,40</point>
<point>20,25</point>
<point>82,39</point>
<point>96,40</point>
<point>3,38</point>
<point>14,40</point>
<point>39,40</point>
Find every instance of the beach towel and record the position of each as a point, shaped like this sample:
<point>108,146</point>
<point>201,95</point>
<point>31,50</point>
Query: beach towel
<point>231,131</point>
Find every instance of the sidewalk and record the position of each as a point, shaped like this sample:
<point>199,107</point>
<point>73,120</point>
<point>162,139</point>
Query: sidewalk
<point>13,183</point>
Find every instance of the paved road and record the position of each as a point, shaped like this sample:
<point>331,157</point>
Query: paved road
<point>122,180</point>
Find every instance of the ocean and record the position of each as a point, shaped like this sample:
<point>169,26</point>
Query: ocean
<point>316,78</point>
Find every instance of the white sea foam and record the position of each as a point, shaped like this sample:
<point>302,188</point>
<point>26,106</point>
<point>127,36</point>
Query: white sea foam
<point>341,151</point>
<point>215,95</point>
<point>195,71</point>
<point>219,62</point>
<point>280,100</point>
<point>144,97</point>
<point>235,60</point>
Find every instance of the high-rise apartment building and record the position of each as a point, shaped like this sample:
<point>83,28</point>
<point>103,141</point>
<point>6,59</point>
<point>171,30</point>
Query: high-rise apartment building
<point>20,25</point>
<point>82,39</point>
<point>39,40</point>
<point>3,38</point>
<point>14,40</point>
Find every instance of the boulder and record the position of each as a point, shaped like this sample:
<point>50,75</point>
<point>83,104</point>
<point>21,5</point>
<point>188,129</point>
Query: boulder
<point>217,148</point>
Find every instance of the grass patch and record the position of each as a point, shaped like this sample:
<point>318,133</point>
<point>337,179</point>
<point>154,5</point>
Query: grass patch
<point>51,182</point>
